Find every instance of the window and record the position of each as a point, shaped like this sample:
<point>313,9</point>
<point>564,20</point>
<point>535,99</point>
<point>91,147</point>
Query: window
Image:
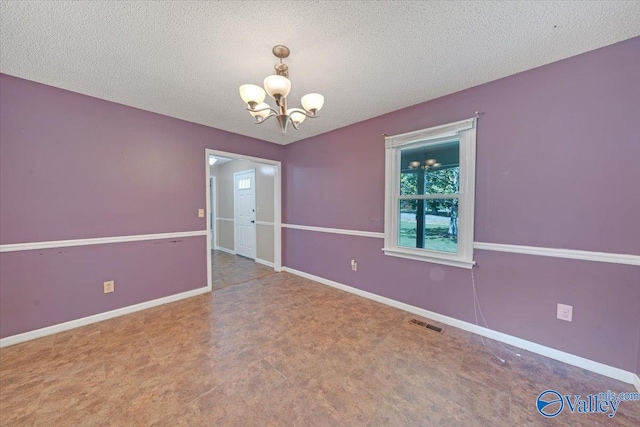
<point>244,183</point>
<point>429,203</point>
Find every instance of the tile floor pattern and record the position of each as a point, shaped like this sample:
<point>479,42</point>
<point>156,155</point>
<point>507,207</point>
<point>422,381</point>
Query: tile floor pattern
<point>233,269</point>
<point>281,350</point>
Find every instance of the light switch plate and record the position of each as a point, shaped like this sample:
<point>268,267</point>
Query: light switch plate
<point>200,213</point>
<point>109,287</point>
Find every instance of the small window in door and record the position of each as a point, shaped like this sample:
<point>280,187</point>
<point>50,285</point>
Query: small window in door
<point>244,183</point>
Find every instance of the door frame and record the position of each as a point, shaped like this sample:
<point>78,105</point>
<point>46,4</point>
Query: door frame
<point>277,206</point>
<point>235,213</point>
<point>213,201</point>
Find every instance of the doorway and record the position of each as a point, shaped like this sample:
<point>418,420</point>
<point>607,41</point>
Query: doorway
<point>258,255</point>
<point>244,196</point>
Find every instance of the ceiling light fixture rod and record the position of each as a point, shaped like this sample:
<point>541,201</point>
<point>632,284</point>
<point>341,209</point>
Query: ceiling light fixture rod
<point>278,87</point>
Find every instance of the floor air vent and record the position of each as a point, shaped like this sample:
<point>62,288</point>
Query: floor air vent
<point>426,325</point>
<point>434,328</point>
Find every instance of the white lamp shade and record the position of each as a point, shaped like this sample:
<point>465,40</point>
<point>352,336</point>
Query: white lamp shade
<point>252,93</point>
<point>262,114</point>
<point>296,116</point>
<point>277,85</point>
<point>312,101</point>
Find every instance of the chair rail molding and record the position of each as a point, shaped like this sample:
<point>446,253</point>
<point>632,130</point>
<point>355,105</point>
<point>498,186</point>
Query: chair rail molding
<point>335,231</point>
<point>612,258</point>
<point>561,253</point>
<point>15,247</point>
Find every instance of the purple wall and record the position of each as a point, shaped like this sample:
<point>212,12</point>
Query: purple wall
<point>46,287</point>
<point>74,167</point>
<point>557,166</point>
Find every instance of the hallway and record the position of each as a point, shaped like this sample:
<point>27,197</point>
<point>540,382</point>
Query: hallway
<point>230,269</point>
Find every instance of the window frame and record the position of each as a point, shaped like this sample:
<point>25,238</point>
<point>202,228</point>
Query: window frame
<point>463,131</point>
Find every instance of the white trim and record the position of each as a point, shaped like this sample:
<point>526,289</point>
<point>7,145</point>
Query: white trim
<point>271,224</point>
<point>236,156</point>
<point>226,219</point>
<point>636,383</point>
<point>335,231</point>
<point>208,221</point>
<point>442,131</point>
<point>435,257</point>
<point>49,330</point>
<point>435,196</point>
<point>561,253</point>
<point>277,218</point>
<point>263,262</point>
<point>13,247</point>
<point>212,202</point>
<point>229,251</point>
<point>465,133</point>
<point>590,365</point>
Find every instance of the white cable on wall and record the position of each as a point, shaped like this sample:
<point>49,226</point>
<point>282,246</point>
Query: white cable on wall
<point>476,309</point>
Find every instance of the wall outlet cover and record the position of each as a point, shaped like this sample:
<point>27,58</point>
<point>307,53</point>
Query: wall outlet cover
<point>565,312</point>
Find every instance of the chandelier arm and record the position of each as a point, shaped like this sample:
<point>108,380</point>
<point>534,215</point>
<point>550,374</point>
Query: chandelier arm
<point>301,111</point>
<point>295,126</point>
<point>263,109</point>
<point>273,114</point>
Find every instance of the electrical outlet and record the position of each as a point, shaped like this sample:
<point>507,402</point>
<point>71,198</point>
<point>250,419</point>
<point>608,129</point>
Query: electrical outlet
<point>200,213</point>
<point>354,265</point>
<point>109,286</point>
<point>565,312</point>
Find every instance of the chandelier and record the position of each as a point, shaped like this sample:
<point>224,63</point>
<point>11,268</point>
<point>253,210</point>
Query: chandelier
<point>278,87</point>
<point>428,164</point>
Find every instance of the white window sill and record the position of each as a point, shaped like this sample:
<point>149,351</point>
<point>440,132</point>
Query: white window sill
<point>428,256</point>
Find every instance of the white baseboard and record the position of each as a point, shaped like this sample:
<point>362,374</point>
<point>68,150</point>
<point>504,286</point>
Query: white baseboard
<point>636,383</point>
<point>54,329</point>
<point>229,251</point>
<point>263,262</point>
<point>589,365</point>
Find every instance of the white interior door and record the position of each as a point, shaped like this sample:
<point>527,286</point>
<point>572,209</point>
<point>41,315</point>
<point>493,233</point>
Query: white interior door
<point>245,213</point>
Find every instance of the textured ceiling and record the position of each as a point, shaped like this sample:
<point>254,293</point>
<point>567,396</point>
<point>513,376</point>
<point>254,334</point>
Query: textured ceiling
<point>186,59</point>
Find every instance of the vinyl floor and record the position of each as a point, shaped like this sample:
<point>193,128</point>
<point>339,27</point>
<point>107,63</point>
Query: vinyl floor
<point>280,350</point>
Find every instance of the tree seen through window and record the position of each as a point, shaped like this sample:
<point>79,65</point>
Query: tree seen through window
<point>429,223</point>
